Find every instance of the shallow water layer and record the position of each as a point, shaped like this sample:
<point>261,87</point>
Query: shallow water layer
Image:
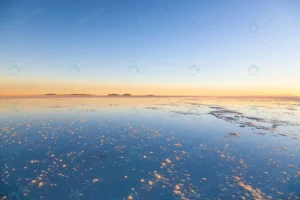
<point>151,148</point>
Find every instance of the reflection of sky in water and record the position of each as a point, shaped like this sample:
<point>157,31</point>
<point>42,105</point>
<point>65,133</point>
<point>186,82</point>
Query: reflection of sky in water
<point>183,148</point>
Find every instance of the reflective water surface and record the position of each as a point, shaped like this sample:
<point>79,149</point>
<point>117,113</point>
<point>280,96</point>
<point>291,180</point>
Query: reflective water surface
<point>149,148</point>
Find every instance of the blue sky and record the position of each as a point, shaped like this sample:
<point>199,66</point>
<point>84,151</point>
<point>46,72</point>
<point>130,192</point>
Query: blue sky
<point>162,38</point>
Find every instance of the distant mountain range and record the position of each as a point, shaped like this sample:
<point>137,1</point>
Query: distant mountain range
<point>113,94</point>
<point>53,95</point>
<point>65,94</point>
<point>119,95</point>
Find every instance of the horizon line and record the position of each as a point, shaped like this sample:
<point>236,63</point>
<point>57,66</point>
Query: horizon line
<point>128,95</point>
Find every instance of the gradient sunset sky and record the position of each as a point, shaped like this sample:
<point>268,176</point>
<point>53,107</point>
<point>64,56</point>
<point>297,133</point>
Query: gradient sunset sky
<point>160,47</point>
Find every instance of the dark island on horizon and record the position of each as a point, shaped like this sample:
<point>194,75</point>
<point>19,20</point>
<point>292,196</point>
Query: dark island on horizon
<point>120,95</point>
<point>109,95</point>
<point>113,95</point>
<point>66,94</point>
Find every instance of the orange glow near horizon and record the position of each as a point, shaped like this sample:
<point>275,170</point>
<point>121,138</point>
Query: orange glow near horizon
<point>20,88</point>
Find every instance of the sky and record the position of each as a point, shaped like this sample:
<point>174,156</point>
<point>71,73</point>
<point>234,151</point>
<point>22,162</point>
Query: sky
<point>161,47</point>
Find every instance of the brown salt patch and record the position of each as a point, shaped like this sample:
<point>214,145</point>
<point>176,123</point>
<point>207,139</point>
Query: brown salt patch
<point>235,134</point>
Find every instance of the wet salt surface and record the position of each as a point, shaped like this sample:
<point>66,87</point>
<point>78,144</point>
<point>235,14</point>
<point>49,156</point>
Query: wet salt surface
<point>177,148</point>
